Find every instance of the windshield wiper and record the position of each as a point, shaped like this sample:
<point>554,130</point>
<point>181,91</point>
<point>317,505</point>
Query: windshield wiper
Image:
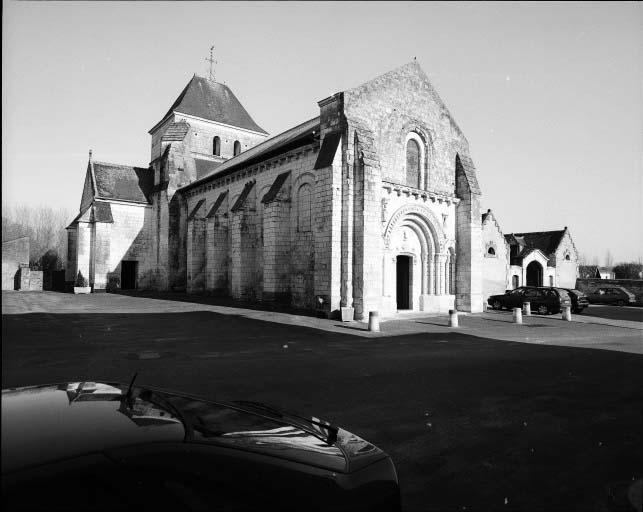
<point>331,438</point>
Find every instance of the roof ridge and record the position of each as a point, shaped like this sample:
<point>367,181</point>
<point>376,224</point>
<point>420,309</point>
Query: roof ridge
<point>101,162</point>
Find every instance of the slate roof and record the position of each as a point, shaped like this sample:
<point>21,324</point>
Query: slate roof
<point>243,196</point>
<point>205,167</point>
<point>328,150</point>
<point>176,132</point>
<point>299,135</point>
<point>545,241</point>
<point>96,212</point>
<point>217,204</point>
<point>196,209</point>
<point>213,101</point>
<point>470,172</point>
<point>122,182</point>
<point>275,188</point>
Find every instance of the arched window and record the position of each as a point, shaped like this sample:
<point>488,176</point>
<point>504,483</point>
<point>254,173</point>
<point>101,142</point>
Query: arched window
<point>567,257</point>
<point>413,163</point>
<point>237,147</point>
<point>216,146</point>
<point>491,251</point>
<point>304,207</point>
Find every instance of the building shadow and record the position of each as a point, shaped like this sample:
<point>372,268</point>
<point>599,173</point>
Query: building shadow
<point>215,300</point>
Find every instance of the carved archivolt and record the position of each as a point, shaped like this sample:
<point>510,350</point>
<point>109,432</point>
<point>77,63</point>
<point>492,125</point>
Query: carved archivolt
<point>423,216</point>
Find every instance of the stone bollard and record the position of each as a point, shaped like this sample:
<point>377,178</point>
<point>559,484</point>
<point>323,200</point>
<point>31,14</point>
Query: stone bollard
<point>526,308</point>
<point>453,318</point>
<point>517,316</point>
<point>567,314</point>
<point>374,321</point>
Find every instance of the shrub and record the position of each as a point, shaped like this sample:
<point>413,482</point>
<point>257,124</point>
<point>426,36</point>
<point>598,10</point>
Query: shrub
<point>81,281</point>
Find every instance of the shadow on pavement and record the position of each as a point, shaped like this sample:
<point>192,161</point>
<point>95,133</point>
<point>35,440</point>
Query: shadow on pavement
<point>470,422</point>
<point>212,300</point>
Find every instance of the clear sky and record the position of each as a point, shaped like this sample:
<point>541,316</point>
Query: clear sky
<point>549,95</point>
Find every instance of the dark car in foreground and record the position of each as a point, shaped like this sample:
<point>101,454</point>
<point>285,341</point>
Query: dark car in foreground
<point>611,295</point>
<point>542,300</point>
<point>105,446</point>
<point>579,300</point>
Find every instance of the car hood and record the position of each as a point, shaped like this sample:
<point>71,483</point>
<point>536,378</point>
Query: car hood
<point>261,428</point>
<point>42,424</point>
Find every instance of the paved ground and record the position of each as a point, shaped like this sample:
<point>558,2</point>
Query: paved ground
<point>492,416</point>
<point>614,312</point>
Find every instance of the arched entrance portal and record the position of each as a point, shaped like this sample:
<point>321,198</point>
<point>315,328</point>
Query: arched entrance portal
<point>403,280</point>
<point>419,267</point>
<point>534,274</point>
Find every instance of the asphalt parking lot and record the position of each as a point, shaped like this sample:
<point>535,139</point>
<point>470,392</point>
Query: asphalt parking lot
<point>492,416</point>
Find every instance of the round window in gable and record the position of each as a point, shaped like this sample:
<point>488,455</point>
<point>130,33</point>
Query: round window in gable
<point>567,257</point>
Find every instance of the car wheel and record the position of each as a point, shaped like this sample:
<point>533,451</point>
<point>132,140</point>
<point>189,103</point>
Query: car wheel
<point>543,310</point>
<point>620,303</point>
<point>496,304</point>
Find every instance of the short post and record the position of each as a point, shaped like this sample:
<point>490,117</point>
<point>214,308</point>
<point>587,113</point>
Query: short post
<point>453,318</point>
<point>517,316</point>
<point>567,313</point>
<point>526,308</point>
<point>374,321</point>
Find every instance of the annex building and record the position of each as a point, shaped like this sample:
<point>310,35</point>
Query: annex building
<point>373,204</point>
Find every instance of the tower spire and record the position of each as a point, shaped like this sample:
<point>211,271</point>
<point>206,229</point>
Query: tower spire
<point>212,63</point>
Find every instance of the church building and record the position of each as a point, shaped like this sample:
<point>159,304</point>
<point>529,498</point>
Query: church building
<point>373,205</point>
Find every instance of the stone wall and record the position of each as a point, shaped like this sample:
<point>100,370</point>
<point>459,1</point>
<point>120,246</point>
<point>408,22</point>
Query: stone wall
<point>14,253</point>
<point>203,133</point>
<point>495,267</point>
<point>566,260</point>
<point>383,113</point>
<point>257,249</point>
<point>128,238</point>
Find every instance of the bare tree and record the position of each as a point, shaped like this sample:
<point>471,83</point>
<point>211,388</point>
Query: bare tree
<point>45,227</point>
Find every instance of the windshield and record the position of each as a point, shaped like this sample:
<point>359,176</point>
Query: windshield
<point>209,422</point>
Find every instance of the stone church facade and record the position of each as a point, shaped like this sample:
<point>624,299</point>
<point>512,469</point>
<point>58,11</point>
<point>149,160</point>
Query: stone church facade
<point>372,205</point>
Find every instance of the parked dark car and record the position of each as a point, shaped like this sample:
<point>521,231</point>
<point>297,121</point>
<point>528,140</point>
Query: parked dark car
<point>579,300</point>
<point>611,295</point>
<point>104,446</point>
<point>542,300</point>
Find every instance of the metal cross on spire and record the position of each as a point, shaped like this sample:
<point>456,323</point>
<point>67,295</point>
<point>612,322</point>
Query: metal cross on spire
<point>212,63</point>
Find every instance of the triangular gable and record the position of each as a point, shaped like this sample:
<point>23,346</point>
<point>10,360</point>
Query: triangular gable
<point>239,203</point>
<point>328,149</point>
<point>196,209</point>
<point>217,204</point>
<point>277,185</point>
<point>411,75</point>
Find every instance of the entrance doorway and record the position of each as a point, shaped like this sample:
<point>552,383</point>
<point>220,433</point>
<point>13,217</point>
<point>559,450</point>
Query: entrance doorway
<point>534,274</point>
<point>403,267</point>
<point>128,275</point>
